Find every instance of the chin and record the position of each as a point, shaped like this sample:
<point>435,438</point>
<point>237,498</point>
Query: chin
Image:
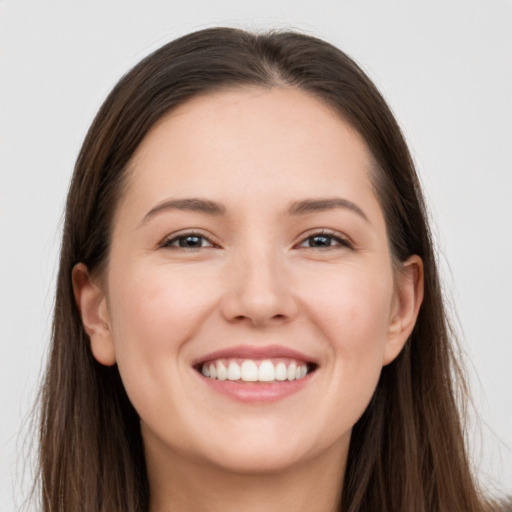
<point>264,450</point>
<point>259,462</point>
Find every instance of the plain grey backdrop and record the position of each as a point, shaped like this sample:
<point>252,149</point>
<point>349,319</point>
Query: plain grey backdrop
<point>445,67</point>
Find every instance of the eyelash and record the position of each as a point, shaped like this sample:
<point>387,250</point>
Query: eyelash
<point>340,242</point>
<point>168,243</point>
<point>326,234</point>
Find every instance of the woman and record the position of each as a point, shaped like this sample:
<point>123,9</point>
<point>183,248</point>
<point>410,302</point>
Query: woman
<point>248,311</point>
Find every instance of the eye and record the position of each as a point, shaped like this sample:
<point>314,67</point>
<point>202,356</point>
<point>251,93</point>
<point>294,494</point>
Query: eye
<point>324,240</point>
<point>187,241</point>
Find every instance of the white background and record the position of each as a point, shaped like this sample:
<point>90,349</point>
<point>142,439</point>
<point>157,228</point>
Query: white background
<point>445,67</point>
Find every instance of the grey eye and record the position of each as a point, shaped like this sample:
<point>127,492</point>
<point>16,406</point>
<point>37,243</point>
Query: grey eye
<point>188,241</point>
<point>324,241</point>
<point>320,241</point>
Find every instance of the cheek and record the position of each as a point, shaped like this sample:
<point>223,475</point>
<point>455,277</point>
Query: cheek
<point>358,338</point>
<point>353,315</point>
<point>352,307</point>
<point>154,307</point>
<point>154,313</point>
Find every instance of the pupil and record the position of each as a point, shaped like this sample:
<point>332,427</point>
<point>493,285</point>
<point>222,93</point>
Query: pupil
<point>190,241</point>
<point>321,241</point>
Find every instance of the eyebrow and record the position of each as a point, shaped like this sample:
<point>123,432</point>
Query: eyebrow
<point>303,207</point>
<point>189,204</point>
<point>320,205</point>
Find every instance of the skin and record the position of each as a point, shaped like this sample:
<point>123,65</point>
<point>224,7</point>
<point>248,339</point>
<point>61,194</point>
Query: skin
<point>259,277</point>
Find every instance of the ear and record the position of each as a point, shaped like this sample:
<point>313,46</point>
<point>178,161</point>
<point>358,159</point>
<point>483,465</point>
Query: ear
<point>406,305</point>
<point>92,304</point>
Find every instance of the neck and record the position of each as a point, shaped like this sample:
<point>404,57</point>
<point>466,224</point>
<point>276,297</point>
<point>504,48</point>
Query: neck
<point>178,484</point>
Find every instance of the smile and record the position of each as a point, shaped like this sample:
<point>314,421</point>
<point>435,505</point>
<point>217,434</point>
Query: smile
<point>252,374</point>
<point>251,370</point>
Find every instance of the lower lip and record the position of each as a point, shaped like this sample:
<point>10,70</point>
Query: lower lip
<point>249,392</point>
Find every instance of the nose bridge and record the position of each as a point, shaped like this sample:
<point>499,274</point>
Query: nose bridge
<point>258,289</point>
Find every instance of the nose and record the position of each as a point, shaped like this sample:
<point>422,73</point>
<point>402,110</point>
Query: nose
<point>259,291</point>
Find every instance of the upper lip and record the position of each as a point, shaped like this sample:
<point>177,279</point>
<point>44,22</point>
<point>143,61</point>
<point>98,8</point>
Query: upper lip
<point>255,352</point>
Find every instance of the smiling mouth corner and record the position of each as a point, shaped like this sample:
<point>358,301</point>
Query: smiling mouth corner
<point>250,370</point>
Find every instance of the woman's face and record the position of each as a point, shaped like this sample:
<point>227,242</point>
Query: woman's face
<point>249,247</point>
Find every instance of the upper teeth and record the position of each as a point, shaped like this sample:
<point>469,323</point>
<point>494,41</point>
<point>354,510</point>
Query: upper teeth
<point>252,371</point>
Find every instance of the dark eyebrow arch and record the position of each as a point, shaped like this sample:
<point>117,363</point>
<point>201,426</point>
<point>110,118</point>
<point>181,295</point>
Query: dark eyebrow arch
<point>190,204</point>
<point>320,205</point>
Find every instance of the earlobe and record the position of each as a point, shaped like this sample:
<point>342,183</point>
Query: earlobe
<point>406,306</point>
<point>92,304</point>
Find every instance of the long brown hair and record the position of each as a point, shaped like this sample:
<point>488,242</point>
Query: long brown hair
<point>407,451</point>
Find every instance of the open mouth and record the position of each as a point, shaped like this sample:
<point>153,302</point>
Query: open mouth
<point>255,370</point>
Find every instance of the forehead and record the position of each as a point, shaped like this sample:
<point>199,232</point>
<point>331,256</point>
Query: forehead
<point>272,116</point>
<point>249,143</point>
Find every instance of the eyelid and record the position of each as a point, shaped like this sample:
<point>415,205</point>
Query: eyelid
<point>167,241</point>
<point>343,240</point>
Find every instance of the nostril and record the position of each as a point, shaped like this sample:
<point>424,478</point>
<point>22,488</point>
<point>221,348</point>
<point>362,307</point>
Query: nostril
<point>257,309</point>
<point>241,318</point>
